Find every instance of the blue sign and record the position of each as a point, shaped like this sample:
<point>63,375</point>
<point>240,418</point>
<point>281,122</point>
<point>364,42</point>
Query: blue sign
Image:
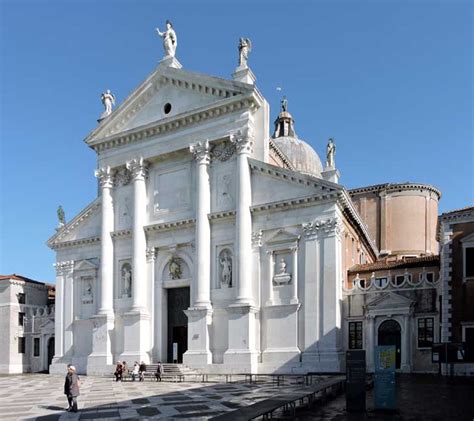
<point>384,379</point>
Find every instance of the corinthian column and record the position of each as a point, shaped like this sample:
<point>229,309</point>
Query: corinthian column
<point>200,313</point>
<point>243,143</point>
<point>138,169</point>
<point>107,248</point>
<point>202,291</point>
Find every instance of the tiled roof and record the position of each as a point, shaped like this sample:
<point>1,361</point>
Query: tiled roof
<point>396,264</point>
<point>20,278</point>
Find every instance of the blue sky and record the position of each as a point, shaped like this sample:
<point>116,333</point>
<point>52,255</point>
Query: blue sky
<point>390,81</point>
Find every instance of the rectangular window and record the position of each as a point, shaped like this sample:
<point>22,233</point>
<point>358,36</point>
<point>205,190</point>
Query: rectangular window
<point>36,347</point>
<point>21,345</point>
<point>355,335</point>
<point>469,262</point>
<point>21,298</point>
<point>425,332</point>
<point>21,319</point>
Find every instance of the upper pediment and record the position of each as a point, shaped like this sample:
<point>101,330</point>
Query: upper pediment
<point>164,96</point>
<point>85,226</point>
<point>389,300</point>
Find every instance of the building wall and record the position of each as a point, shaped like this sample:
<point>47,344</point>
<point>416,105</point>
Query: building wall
<point>462,293</point>
<point>385,208</point>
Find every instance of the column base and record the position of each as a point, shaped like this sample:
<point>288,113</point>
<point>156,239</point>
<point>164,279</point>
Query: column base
<point>198,353</point>
<point>242,354</point>
<point>102,334</point>
<point>136,326</point>
<point>58,365</point>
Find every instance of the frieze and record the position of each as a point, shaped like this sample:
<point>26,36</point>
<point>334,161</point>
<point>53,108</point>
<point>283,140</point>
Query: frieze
<point>122,177</point>
<point>224,151</point>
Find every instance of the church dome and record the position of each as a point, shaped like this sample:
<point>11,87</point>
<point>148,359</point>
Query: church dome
<point>301,155</point>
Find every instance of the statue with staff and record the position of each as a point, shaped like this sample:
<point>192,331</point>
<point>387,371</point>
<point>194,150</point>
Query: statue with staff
<point>170,41</point>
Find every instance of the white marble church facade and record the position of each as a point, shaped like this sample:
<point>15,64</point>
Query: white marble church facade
<point>203,215</point>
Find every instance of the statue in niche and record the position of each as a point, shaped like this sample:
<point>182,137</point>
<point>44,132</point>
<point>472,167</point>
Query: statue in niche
<point>61,217</point>
<point>175,270</point>
<point>170,40</point>
<point>282,266</point>
<point>330,153</point>
<point>126,280</point>
<point>108,100</point>
<point>225,260</point>
<point>245,46</point>
<point>282,277</point>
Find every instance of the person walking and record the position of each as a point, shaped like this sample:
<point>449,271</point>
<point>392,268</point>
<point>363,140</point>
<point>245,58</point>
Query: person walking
<point>136,367</point>
<point>142,371</point>
<point>159,372</point>
<point>71,388</point>
<point>124,370</point>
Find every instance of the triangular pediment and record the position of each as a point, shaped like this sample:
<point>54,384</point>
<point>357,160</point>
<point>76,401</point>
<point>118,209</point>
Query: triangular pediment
<point>85,265</point>
<point>387,300</point>
<point>183,90</point>
<point>468,239</point>
<point>271,184</point>
<point>84,225</point>
<point>282,236</point>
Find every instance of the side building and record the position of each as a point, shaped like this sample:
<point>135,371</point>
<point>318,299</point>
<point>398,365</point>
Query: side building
<point>26,324</point>
<point>394,301</point>
<point>456,236</point>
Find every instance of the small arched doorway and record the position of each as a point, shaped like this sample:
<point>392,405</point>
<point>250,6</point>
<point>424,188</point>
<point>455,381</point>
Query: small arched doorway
<point>50,351</point>
<point>390,334</point>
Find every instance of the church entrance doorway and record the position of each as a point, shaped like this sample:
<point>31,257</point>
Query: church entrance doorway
<point>178,301</point>
<point>50,352</point>
<point>390,334</point>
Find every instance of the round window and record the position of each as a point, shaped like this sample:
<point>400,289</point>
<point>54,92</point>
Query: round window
<point>167,108</point>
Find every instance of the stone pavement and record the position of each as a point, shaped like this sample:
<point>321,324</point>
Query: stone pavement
<point>40,397</point>
<point>419,398</point>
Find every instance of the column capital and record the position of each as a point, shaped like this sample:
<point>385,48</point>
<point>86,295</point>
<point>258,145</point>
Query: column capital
<point>105,177</point>
<point>201,151</point>
<point>64,267</point>
<point>326,227</point>
<point>138,168</point>
<point>243,141</point>
<point>151,253</point>
<point>257,238</point>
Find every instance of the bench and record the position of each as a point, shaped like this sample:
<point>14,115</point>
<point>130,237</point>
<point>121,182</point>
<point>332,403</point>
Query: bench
<point>286,402</point>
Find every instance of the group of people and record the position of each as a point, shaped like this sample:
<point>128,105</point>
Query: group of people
<point>121,370</point>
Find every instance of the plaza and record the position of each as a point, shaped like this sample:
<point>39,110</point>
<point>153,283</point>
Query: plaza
<point>103,398</point>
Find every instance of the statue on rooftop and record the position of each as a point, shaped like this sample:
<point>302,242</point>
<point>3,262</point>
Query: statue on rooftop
<point>284,104</point>
<point>108,99</point>
<point>170,40</point>
<point>61,217</point>
<point>330,153</point>
<point>245,46</point>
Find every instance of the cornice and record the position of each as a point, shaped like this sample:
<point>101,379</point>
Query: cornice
<point>78,242</point>
<point>178,122</point>
<point>70,226</point>
<point>184,223</point>
<point>459,216</point>
<point>394,187</point>
<point>294,202</point>
<point>347,207</point>
<point>280,154</point>
<point>19,282</point>
<point>222,215</point>
<point>122,233</point>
